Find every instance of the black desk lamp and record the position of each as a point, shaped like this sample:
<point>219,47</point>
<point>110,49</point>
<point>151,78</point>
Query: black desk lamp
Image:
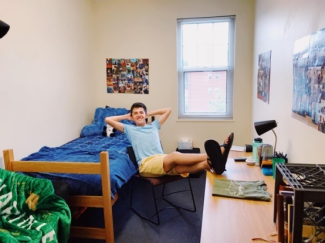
<point>265,126</point>
<point>3,29</point>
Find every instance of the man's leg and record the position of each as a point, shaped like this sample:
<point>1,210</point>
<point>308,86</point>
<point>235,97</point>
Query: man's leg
<point>193,169</point>
<point>177,158</point>
<point>184,160</point>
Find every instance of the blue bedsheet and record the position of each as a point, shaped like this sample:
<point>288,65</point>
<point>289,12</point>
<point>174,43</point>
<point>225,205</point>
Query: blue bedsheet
<point>87,149</point>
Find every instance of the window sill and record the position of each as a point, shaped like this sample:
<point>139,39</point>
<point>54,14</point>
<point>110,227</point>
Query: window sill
<point>203,120</point>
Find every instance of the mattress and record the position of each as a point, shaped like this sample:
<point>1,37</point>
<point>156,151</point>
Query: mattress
<point>87,149</point>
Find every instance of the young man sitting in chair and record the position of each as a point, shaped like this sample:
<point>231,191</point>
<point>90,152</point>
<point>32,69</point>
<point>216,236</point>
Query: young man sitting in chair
<point>150,156</point>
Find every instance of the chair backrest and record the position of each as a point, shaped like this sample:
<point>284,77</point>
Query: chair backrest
<point>132,155</point>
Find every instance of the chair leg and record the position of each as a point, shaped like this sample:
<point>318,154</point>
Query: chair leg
<point>157,221</point>
<point>180,207</point>
<point>131,199</point>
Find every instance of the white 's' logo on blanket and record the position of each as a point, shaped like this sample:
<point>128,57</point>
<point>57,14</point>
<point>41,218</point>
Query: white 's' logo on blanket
<point>235,188</point>
<point>10,212</point>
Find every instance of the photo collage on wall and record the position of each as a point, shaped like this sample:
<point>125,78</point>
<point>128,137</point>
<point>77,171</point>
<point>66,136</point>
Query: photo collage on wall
<point>127,76</point>
<point>308,104</point>
<point>263,76</point>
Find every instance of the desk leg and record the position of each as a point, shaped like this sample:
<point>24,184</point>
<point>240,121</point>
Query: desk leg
<point>278,180</point>
<point>298,215</point>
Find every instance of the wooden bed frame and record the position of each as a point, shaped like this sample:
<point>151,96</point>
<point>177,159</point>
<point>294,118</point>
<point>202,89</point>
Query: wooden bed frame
<point>105,201</point>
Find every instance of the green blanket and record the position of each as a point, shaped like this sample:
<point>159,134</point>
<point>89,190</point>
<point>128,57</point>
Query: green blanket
<point>30,211</point>
<point>254,190</point>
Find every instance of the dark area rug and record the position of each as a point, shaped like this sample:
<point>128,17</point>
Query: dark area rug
<point>175,225</point>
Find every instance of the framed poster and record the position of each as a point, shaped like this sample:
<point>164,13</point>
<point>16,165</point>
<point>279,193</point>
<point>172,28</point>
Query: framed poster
<point>127,76</point>
<point>263,76</point>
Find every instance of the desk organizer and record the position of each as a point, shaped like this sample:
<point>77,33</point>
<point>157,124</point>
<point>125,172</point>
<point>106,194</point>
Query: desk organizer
<point>308,184</point>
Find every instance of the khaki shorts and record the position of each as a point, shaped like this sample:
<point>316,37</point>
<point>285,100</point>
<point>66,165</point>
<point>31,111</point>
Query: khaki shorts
<point>153,166</point>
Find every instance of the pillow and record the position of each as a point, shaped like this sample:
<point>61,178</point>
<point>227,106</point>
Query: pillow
<point>96,127</point>
<point>90,130</point>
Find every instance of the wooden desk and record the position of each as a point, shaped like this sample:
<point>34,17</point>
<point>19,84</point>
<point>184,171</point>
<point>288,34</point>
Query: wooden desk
<point>235,220</point>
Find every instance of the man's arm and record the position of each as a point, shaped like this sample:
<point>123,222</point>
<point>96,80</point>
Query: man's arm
<point>163,114</point>
<point>114,121</point>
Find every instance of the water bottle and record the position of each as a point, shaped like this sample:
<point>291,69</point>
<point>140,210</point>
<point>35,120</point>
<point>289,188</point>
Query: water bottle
<point>257,142</point>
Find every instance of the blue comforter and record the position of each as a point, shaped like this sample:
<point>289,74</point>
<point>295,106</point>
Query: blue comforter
<point>87,149</point>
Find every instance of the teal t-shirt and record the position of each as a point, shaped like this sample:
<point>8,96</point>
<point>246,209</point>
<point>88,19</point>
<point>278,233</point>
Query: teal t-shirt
<point>144,140</point>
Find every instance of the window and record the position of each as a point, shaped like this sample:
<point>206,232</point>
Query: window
<point>205,67</point>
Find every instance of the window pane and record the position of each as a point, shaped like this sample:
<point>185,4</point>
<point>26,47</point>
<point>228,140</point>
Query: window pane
<point>189,45</point>
<point>205,92</point>
<point>221,44</point>
<point>205,45</point>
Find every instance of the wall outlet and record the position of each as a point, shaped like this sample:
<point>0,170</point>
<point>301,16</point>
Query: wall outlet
<point>2,166</point>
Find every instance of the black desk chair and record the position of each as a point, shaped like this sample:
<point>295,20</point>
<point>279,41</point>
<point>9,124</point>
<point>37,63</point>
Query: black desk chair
<point>154,182</point>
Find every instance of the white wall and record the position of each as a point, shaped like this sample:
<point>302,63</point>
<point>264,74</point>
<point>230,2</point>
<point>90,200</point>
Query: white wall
<point>278,25</point>
<point>147,29</point>
<point>52,64</point>
<point>46,73</point>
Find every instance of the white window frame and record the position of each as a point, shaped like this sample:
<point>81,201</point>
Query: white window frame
<point>228,115</point>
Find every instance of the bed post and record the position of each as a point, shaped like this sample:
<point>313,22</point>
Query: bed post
<point>106,191</point>
<point>8,156</point>
<point>105,201</point>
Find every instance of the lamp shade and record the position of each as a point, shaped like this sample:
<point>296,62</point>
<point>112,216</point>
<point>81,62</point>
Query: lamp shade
<point>3,29</point>
<point>264,126</point>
